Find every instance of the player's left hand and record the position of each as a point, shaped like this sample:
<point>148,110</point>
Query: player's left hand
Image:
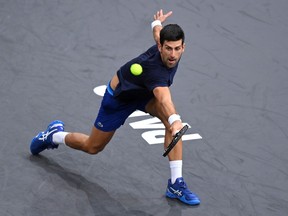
<point>162,17</point>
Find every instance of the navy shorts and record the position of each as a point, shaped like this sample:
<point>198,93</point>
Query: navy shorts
<point>114,112</point>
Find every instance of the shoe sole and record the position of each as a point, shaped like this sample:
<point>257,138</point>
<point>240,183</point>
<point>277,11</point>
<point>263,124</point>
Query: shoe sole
<point>182,199</point>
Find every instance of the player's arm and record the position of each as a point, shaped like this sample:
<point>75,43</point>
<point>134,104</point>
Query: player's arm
<point>167,108</point>
<point>159,18</point>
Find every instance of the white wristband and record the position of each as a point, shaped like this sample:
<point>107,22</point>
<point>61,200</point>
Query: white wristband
<point>155,23</point>
<point>173,118</point>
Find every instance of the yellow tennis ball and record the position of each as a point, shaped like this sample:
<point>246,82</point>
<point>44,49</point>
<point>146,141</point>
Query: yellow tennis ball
<point>136,69</point>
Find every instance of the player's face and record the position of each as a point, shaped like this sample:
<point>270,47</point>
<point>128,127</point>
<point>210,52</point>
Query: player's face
<point>171,52</point>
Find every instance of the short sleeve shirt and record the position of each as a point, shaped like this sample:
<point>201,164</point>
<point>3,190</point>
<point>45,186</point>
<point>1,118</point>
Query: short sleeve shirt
<point>155,74</point>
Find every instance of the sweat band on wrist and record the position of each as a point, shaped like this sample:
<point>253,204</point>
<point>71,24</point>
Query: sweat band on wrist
<point>155,23</point>
<point>173,118</point>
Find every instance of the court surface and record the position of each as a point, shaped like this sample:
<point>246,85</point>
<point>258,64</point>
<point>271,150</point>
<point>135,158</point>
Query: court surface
<point>231,88</point>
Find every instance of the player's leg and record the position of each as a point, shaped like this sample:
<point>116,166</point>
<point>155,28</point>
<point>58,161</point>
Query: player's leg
<point>55,136</point>
<point>176,152</point>
<point>106,123</point>
<point>176,188</point>
<point>92,144</point>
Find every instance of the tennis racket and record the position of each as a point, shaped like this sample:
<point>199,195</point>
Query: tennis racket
<point>175,140</point>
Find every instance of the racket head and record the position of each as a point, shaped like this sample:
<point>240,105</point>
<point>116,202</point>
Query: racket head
<point>175,140</point>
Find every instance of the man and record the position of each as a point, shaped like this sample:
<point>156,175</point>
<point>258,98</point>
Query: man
<point>125,93</point>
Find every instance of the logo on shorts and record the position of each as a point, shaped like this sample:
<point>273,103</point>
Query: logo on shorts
<point>100,124</point>
<point>155,133</point>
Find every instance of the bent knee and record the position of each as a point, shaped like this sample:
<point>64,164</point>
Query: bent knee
<point>94,148</point>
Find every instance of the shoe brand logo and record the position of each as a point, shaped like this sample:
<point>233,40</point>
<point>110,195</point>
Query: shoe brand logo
<point>45,135</point>
<point>177,192</point>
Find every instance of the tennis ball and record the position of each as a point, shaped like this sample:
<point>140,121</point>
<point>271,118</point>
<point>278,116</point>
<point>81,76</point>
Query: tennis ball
<point>136,69</point>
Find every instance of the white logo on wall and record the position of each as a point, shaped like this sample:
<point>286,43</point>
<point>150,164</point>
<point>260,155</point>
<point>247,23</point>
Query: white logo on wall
<point>156,130</point>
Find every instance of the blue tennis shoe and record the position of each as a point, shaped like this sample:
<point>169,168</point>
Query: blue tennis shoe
<point>180,191</point>
<point>44,139</point>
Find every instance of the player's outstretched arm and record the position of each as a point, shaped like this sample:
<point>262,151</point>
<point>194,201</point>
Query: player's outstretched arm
<point>167,109</point>
<point>156,25</point>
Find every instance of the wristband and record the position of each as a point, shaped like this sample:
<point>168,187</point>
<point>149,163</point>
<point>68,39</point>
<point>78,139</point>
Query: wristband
<point>155,23</point>
<point>173,118</point>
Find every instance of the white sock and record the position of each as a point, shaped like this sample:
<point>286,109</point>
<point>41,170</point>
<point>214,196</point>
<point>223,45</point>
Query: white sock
<point>176,170</point>
<point>59,137</point>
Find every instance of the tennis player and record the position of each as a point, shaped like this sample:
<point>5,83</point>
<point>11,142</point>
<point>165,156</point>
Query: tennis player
<point>125,93</point>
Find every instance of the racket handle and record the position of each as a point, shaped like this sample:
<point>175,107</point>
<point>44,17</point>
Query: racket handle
<point>176,133</point>
<point>174,141</point>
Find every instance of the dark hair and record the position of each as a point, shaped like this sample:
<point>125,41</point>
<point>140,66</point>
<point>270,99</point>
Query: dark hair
<point>171,32</point>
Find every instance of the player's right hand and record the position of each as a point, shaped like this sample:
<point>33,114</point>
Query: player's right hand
<point>176,127</point>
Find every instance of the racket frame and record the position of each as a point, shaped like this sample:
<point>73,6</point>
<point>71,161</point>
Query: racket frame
<point>175,140</point>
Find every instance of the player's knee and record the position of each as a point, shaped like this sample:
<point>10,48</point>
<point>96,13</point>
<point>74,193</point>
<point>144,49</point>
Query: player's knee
<point>95,149</point>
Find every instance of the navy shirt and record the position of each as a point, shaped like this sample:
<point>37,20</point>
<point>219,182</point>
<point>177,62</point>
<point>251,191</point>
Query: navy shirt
<point>155,74</point>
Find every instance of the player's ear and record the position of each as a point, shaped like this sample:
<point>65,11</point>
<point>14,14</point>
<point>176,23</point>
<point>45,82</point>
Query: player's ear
<point>159,47</point>
<point>183,46</point>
